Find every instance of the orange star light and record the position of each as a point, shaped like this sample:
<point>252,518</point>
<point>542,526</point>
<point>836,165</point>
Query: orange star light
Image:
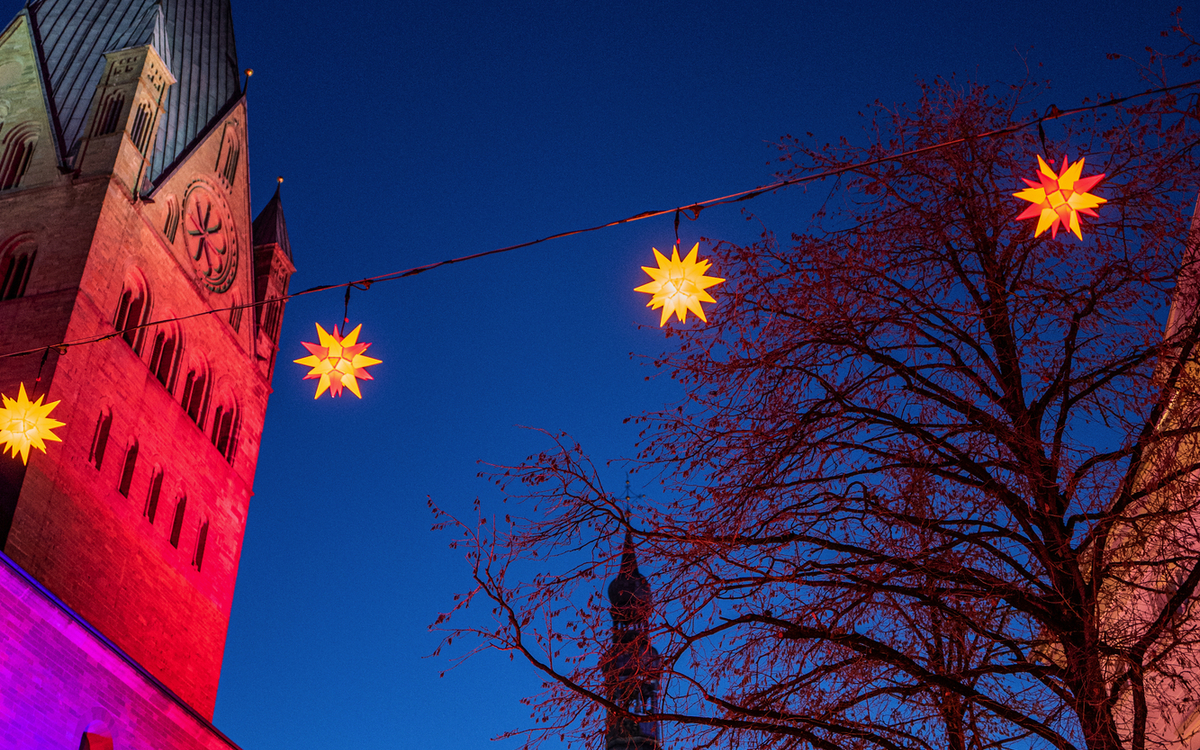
<point>25,424</point>
<point>337,361</point>
<point>1059,200</point>
<point>678,285</point>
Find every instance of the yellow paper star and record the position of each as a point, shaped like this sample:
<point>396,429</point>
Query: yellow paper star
<point>337,361</point>
<point>678,285</point>
<point>1059,200</point>
<point>25,424</point>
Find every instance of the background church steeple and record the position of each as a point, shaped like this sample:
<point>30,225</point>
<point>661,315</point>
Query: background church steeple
<point>631,664</point>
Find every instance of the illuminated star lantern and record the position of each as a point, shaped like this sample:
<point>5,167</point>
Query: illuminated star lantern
<point>339,362</point>
<point>1058,200</point>
<point>25,424</point>
<point>679,285</point>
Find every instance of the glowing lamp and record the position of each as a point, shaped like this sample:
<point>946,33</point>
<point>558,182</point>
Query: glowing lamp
<point>678,285</point>
<point>25,424</point>
<point>1059,199</point>
<point>338,362</point>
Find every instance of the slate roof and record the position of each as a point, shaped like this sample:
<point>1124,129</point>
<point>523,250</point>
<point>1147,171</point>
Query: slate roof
<point>193,37</point>
<point>270,228</point>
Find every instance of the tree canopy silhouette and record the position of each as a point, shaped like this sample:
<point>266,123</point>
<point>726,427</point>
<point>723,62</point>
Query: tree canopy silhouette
<point>933,480</point>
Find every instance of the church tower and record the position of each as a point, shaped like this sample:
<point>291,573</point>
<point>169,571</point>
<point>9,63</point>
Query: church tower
<point>631,664</point>
<point>133,274</point>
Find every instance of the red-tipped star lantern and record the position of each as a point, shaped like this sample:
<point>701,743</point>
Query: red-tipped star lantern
<point>678,285</point>
<point>26,424</point>
<point>1059,199</point>
<point>338,362</point>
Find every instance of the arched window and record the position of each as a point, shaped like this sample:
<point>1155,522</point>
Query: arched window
<point>100,439</point>
<point>152,496</point>
<point>108,117</point>
<point>195,395</point>
<point>224,431</point>
<point>231,163</point>
<point>16,151</point>
<point>177,524</point>
<point>171,227</point>
<point>16,265</point>
<point>164,358</point>
<point>231,150</point>
<point>132,312</point>
<point>139,133</point>
<point>201,540</point>
<point>131,454</point>
<point>235,315</point>
<point>272,317</point>
<point>16,276</point>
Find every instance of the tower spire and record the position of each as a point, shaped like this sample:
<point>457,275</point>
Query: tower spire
<point>631,664</point>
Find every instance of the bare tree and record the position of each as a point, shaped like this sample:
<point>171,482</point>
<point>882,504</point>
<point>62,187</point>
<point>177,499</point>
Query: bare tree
<point>933,482</point>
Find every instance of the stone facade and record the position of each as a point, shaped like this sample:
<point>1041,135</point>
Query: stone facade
<point>135,520</point>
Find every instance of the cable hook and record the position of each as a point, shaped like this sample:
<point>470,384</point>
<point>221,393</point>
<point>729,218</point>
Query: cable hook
<point>37,381</point>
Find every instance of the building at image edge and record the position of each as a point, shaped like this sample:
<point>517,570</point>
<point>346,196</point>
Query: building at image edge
<point>125,218</point>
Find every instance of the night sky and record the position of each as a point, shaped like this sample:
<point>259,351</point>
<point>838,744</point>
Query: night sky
<point>413,132</point>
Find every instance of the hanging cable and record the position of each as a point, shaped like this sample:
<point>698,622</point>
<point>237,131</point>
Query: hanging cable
<point>1052,113</point>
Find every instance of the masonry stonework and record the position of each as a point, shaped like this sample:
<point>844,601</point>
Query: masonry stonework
<point>135,219</point>
<point>83,683</point>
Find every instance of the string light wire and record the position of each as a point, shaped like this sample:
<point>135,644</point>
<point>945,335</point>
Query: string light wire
<point>1052,113</point>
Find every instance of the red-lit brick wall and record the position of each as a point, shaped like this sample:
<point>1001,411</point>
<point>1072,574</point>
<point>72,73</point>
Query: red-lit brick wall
<point>59,679</point>
<point>90,545</point>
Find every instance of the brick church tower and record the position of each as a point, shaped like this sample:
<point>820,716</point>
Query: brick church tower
<point>125,220</point>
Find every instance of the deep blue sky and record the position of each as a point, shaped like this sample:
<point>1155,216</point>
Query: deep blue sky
<point>413,132</point>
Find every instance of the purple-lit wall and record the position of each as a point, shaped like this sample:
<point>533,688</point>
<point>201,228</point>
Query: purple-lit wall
<point>59,678</point>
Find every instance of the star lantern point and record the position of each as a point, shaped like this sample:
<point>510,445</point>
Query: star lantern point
<point>26,424</point>
<point>337,362</point>
<point>678,286</point>
<point>1059,199</point>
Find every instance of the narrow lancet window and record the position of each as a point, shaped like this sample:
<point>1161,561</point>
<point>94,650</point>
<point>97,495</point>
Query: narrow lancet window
<point>109,115</point>
<point>100,439</point>
<point>133,311</point>
<point>198,555</point>
<point>195,390</point>
<point>16,153</point>
<point>224,431</point>
<point>15,268</point>
<point>143,123</point>
<point>151,508</point>
<point>171,227</point>
<point>164,358</point>
<point>127,471</point>
<point>177,524</point>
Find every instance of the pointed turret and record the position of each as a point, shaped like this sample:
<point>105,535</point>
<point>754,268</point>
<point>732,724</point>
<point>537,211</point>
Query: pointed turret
<point>270,228</point>
<point>629,593</point>
<point>192,38</point>
<point>273,270</point>
<point>631,664</point>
